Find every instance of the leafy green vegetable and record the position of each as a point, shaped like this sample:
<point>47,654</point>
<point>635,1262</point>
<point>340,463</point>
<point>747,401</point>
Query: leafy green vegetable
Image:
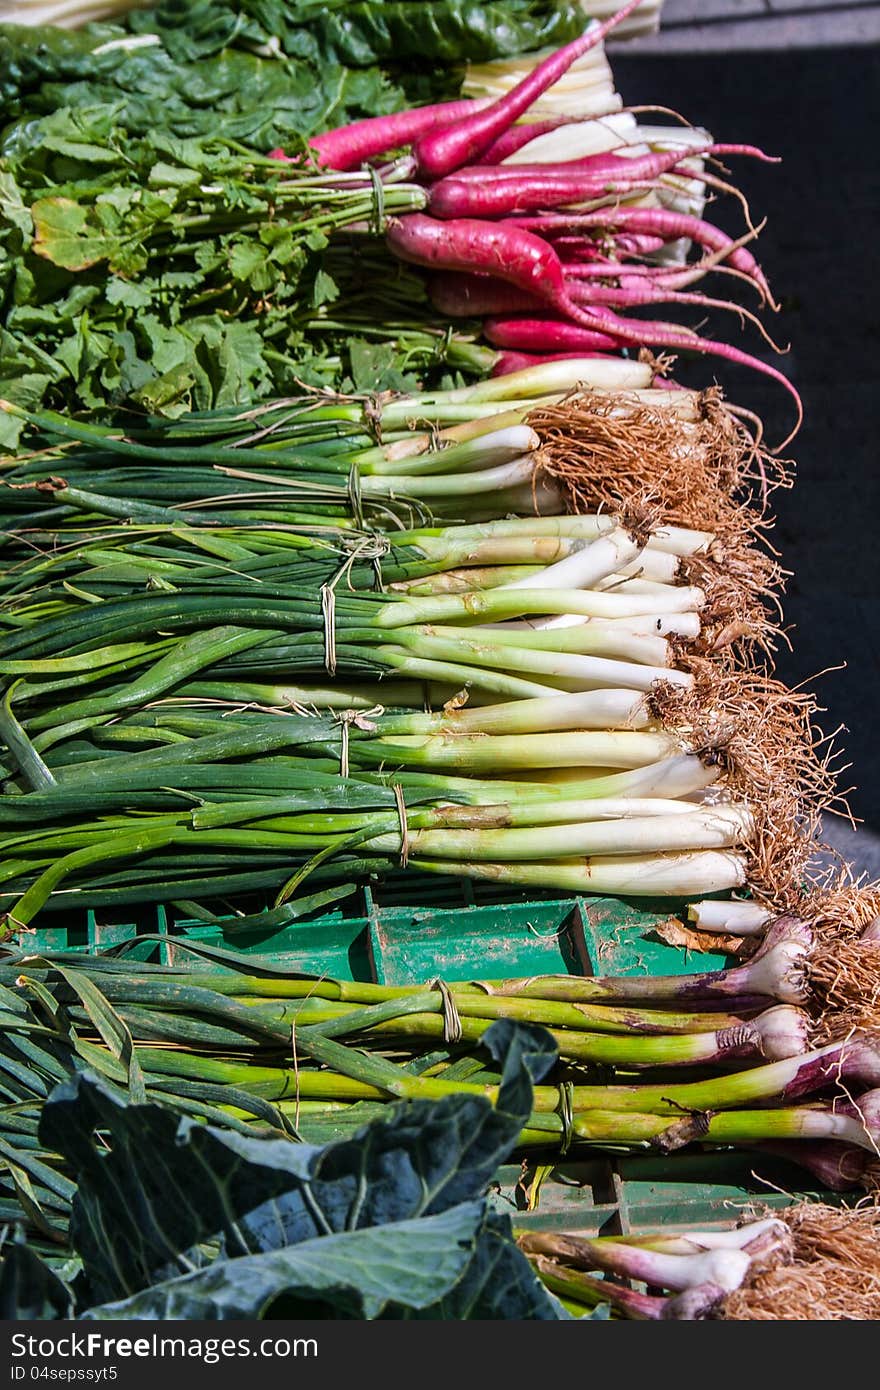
<point>109,134</point>
<point>179,1219</point>
<point>173,274</point>
<point>365,32</point>
<point>29,1288</point>
<point>170,274</point>
<point>265,71</point>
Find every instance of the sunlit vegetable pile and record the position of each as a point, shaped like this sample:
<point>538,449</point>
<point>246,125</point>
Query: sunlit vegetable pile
<point>215,671</point>
<point>355,522</point>
<point>157,256</point>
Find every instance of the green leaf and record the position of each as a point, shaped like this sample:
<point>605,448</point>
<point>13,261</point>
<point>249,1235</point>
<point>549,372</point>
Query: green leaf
<point>357,1274</point>
<point>26,390</point>
<point>64,235</point>
<point>12,206</point>
<point>124,292</point>
<point>324,289</point>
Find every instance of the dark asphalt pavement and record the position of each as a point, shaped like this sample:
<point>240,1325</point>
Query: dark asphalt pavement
<point>820,110</point>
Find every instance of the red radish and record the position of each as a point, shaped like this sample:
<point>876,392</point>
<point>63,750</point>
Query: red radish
<point>606,165</point>
<point>507,362</point>
<point>542,335</point>
<point>440,152</point>
<point>348,146</point>
<point>602,269</point>
<point>491,197</point>
<point>458,295</point>
<point>501,191</point>
<point>571,248</point>
<point>638,245</point>
<point>635,291</point>
<point>520,135</point>
<point>655,222</point>
<point>490,248</point>
<point>551,335</point>
<point>583,248</point>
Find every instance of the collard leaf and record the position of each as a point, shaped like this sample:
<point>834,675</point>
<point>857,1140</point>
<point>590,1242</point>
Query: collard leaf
<point>414,1264</point>
<point>158,1190</point>
<point>499,1282</point>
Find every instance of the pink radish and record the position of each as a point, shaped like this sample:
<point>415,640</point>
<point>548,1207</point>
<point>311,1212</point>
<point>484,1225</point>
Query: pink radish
<point>654,222</point>
<point>540,335</point>
<point>490,248</point>
<point>440,152</point>
<point>550,335</point>
<point>502,191</point>
<point>348,146</point>
<point>635,291</point>
<point>507,362</point>
<point>490,197</point>
<point>605,166</point>
<point>458,295</point>
<point>521,135</point>
<point>583,248</point>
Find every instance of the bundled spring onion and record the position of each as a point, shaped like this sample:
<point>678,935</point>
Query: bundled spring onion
<point>301,471</point>
<point>699,1269</point>
<point>576,659</point>
<point>184,704</point>
<point>215,1039</point>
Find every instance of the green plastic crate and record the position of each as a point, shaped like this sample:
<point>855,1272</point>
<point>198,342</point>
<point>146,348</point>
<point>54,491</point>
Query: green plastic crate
<point>407,930</point>
<point>647,1192</point>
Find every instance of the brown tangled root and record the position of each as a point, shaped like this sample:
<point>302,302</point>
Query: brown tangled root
<point>841,904</point>
<point>843,969</point>
<point>844,980</point>
<point>833,1274</point>
<point>695,463</point>
<point>762,737</point>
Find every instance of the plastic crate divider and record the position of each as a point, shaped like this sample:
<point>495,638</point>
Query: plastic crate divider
<point>622,1220</point>
<point>583,1197</point>
<point>101,935</point>
<point>371,913</point>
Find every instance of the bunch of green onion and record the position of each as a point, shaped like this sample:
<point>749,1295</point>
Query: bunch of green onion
<point>206,690</point>
<point>644,1064</point>
<point>311,462</point>
<point>697,1269</point>
<point>168,744</point>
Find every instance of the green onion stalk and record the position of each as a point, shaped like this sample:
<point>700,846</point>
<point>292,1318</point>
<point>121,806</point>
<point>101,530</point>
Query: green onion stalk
<point>312,473</point>
<point>232,1048</point>
<point>468,452</point>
